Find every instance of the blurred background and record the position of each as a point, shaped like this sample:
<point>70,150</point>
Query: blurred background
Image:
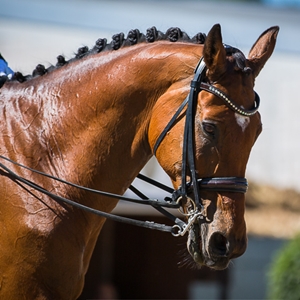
<point>138,263</point>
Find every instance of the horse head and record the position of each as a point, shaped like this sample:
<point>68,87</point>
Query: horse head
<point>226,125</point>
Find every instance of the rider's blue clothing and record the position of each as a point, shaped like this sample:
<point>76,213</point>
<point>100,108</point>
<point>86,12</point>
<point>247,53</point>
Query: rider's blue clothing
<point>5,70</point>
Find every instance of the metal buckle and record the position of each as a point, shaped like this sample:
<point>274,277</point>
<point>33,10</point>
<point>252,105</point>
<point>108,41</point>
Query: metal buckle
<point>181,231</point>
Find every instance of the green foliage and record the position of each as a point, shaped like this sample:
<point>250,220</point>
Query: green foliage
<point>284,275</point>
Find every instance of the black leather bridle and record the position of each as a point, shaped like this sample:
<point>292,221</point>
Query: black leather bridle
<point>218,184</point>
<point>180,196</point>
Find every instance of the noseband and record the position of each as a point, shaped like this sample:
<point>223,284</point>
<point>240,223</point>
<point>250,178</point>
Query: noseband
<point>217,184</point>
<point>181,195</point>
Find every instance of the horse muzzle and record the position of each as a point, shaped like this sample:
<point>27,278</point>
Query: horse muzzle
<point>213,249</point>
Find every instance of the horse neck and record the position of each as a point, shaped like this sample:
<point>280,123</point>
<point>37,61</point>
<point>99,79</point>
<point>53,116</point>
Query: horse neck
<point>93,114</point>
<point>86,122</point>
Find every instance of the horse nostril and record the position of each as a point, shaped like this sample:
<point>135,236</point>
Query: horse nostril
<point>219,245</point>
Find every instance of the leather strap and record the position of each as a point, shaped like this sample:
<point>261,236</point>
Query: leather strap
<point>151,225</point>
<point>188,152</point>
<point>224,184</point>
<point>230,103</point>
<point>154,202</point>
<point>170,124</point>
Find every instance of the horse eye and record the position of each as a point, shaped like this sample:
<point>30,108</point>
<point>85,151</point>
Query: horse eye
<point>209,128</point>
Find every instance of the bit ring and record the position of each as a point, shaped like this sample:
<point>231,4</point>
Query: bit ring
<point>192,209</point>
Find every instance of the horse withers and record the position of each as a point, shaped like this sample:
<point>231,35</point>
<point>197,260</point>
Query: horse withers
<point>95,121</point>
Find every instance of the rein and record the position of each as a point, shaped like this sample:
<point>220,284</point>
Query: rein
<point>158,204</point>
<point>178,197</point>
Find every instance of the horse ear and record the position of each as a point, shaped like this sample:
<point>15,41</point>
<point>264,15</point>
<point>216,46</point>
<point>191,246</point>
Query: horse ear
<point>262,49</point>
<point>214,54</point>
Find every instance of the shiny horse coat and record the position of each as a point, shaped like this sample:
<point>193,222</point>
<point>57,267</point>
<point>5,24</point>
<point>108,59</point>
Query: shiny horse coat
<point>94,121</point>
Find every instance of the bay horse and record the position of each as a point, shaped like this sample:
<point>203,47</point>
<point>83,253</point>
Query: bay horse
<point>95,121</point>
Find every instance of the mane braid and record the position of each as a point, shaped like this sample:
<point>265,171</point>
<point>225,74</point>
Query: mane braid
<point>118,41</point>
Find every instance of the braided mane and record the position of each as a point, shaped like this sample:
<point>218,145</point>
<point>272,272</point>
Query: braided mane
<point>118,41</point>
